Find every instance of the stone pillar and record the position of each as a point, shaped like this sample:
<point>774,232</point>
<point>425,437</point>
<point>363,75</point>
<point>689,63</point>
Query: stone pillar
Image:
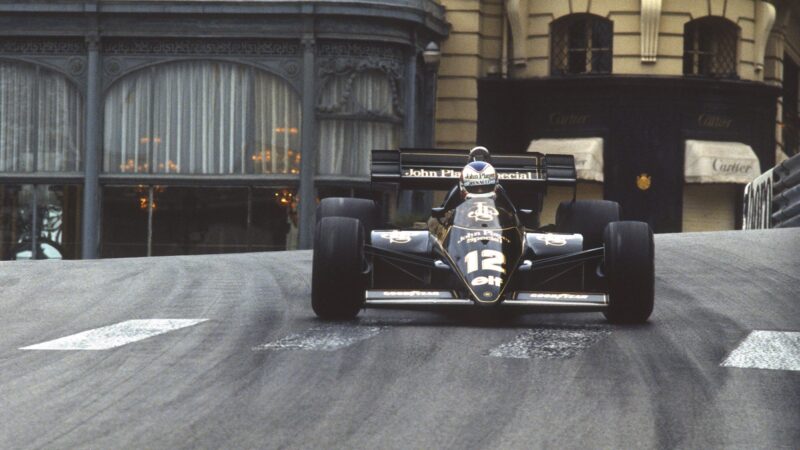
<point>517,12</point>
<point>307,197</point>
<point>410,122</point>
<point>765,19</point>
<point>649,22</point>
<point>91,189</point>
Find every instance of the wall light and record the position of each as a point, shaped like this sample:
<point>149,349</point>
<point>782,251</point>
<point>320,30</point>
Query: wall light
<point>432,55</point>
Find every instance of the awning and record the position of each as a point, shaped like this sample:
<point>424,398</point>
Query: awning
<point>720,162</point>
<point>588,153</point>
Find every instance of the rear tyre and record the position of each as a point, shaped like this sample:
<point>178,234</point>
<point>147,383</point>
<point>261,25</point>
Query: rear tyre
<point>362,209</point>
<point>338,280</point>
<point>588,218</point>
<point>630,272</point>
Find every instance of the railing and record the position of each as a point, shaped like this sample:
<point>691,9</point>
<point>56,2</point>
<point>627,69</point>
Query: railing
<point>773,199</point>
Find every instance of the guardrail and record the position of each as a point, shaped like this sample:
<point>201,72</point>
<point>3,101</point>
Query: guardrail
<point>773,199</point>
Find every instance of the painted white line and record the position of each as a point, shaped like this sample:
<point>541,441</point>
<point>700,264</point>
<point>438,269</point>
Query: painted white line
<point>550,343</point>
<point>776,350</point>
<point>326,338</point>
<point>115,335</point>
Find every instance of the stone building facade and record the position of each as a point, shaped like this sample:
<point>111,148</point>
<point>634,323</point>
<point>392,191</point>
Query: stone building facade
<point>158,127</point>
<point>671,105</point>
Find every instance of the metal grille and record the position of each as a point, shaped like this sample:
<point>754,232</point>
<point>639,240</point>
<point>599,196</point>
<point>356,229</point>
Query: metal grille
<point>581,43</point>
<point>710,47</point>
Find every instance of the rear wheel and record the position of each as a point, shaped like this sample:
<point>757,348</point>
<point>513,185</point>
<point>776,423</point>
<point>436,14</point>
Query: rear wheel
<point>356,208</point>
<point>588,218</point>
<point>630,271</point>
<point>338,281</point>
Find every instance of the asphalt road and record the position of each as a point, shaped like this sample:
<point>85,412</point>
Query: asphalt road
<point>263,372</point>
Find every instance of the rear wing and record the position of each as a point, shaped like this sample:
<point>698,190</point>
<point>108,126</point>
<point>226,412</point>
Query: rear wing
<point>440,169</point>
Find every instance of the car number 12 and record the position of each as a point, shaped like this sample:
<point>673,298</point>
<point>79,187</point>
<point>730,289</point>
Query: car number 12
<point>492,260</point>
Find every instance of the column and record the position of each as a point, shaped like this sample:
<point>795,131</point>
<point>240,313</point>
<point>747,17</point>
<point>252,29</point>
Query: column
<point>410,122</point>
<point>91,188</point>
<point>405,204</point>
<point>307,198</point>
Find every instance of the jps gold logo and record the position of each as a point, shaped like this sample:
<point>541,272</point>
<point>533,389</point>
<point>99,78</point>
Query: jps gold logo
<point>397,237</point>
<point>552,239</point>
<point>483,213</point>
<point>643,181</point>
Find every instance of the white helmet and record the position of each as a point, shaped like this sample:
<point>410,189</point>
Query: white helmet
<point>478,177</point>
<point>480,154</point>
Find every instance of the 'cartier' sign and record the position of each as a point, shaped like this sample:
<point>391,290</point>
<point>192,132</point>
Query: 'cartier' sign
<point>563,119</point>
<point>714,121</point>
<point>720,165</point>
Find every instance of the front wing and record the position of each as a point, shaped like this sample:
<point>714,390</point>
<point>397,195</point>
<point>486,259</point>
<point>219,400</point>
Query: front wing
<point>428,299</point>
<point>537,300</point>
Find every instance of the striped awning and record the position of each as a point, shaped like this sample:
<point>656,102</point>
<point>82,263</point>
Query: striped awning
<point>588,153</point>
<point>720,162</point>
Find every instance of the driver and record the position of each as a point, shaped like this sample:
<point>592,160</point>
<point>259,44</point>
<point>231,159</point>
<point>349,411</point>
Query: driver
<point>477,178</point>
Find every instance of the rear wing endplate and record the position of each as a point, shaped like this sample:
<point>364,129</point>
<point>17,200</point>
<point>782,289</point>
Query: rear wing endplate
<point>440,169</point>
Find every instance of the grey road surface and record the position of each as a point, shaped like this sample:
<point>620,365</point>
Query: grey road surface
<point>263,372</point>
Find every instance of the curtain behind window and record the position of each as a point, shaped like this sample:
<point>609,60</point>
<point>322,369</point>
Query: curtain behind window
<point>41,112</point>
<point>202,117</point>
<point>359,115</point>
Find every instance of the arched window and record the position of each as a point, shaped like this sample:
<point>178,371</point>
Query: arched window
<point>359,111</point>
<point>709,47</point>
<point>580,43</point>
<point>202,117</point>
<point>41,120</point>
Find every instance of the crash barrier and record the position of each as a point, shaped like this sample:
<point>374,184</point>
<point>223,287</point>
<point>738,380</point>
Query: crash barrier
<point>773,199</point>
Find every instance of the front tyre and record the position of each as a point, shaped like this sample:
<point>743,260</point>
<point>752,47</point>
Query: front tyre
<point>338,281</point>
<point>365,210</point>
<point>630,271</point>
<point>588,218</point>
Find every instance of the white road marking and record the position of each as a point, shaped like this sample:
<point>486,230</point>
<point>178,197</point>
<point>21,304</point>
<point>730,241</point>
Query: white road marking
<point>115,335</point>
<point>776,350</point>
<point>550,343</point>
<point>326,338</point>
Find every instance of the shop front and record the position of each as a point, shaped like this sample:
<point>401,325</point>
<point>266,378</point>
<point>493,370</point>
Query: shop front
<point>143,128</point>
<point>674,151</point>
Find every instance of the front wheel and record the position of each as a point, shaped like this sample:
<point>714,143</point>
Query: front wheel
<point>588,218</point>
<point>338,281</point>
<point>365,210</point>
<point>629,269</point>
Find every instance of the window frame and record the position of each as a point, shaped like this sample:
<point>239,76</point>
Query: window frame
<point>151,176</point>
<point>714,31</point>
<point>560,45</point>
<point>347,109</point>
<point>36,134</point>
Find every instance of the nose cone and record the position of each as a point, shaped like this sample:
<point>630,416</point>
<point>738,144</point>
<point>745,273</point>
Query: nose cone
<point>484,245</point>
<point>481,264</point>
<point>486,287</point>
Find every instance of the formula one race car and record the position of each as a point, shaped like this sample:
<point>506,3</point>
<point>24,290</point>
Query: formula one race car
<point>483,247</point>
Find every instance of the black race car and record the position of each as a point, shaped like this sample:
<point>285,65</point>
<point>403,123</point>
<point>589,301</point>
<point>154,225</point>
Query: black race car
<point>484,246</point>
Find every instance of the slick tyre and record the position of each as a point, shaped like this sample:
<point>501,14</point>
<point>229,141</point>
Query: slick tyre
<point>338,280</point>
<point>588,218</point>
<point>362,209</point>
<point>629,270</point>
